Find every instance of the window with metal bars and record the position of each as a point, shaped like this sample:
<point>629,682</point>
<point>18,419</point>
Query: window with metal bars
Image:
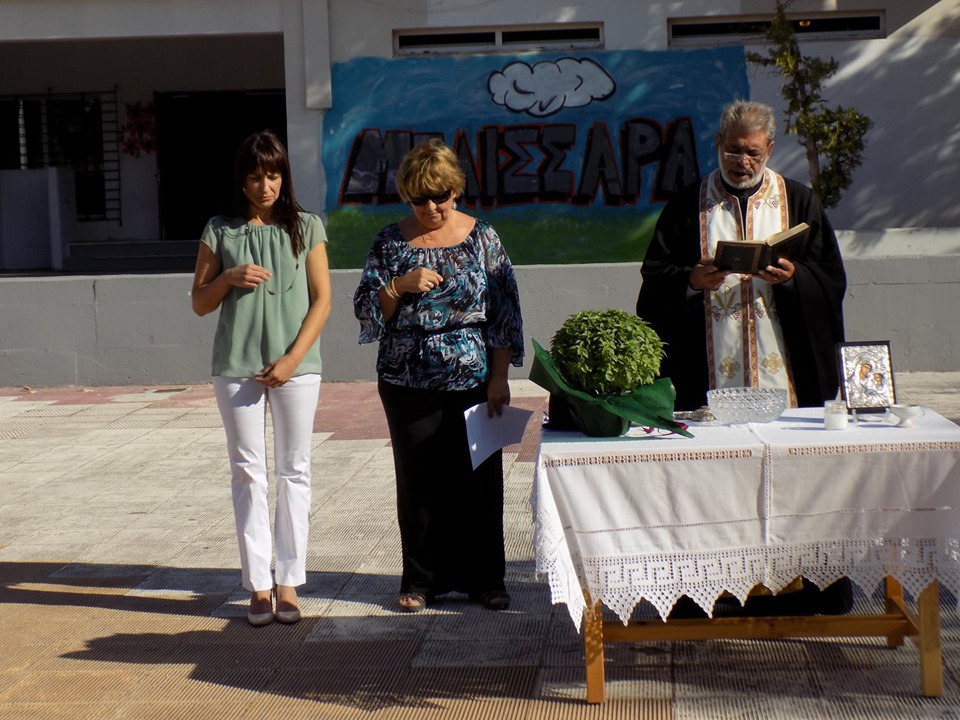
<point>560,36</point>
<point>68,130</point>
<point>742,30</point>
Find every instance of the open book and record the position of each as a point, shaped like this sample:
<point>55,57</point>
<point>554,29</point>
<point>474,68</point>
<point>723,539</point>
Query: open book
<point>752,256</point>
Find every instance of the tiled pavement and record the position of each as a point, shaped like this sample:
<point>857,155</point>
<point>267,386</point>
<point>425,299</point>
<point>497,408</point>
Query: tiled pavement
<point>120,598</point>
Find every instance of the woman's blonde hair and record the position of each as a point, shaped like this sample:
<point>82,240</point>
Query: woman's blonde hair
<point>430,168</point>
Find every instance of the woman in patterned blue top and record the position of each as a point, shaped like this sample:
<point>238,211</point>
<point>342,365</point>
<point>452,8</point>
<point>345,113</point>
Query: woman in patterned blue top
<point>439,294</point>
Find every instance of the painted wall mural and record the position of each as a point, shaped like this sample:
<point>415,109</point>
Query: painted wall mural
<point>569,156</point>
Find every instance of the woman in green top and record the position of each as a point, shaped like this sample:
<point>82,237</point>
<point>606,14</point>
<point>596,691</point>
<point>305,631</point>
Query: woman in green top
<point>266,269</point>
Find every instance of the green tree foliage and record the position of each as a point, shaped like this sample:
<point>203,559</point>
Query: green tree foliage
<point>833,137</point>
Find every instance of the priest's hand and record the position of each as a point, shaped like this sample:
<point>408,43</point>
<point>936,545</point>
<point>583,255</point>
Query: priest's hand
<point>706,276</point>
<point>778,275</point>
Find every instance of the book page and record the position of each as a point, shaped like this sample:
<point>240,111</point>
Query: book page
<point>752,256</point>
<point>785,235</point>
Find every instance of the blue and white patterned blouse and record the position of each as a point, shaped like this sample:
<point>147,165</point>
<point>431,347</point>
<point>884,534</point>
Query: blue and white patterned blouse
<point>439,340</point>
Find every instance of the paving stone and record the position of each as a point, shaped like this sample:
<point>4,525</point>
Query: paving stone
<point>121,594</point>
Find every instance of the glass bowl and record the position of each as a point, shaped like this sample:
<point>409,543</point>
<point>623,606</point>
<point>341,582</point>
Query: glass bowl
<point>731,406</point>
<point>906,413</point>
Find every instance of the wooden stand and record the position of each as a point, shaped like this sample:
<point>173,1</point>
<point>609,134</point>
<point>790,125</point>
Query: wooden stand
<point>896,623</point>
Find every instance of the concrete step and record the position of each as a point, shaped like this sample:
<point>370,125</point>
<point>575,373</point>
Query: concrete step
<point>132,256</point>
<point>155,264</point>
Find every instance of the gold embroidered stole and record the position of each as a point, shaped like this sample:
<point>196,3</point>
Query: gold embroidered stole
<point>745,346</point>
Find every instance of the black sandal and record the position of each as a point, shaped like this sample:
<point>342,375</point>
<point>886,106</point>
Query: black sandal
<point>412,602</point>
<point>493,599</point>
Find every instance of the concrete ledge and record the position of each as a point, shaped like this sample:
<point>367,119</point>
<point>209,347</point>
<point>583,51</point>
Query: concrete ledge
<point>130,329</point>
<point>899,242</point>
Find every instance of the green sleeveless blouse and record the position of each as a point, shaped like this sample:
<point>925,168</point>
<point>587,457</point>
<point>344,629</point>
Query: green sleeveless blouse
<point>259,325</point>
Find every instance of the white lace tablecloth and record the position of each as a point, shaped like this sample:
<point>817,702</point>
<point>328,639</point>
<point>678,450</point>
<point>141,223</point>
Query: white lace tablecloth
<point>657,517</point>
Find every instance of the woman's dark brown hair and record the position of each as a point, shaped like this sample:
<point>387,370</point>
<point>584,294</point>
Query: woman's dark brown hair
<point>263,152</point>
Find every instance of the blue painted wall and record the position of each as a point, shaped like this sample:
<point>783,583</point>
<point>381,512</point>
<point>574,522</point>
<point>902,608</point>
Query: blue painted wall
<point>569,156</point>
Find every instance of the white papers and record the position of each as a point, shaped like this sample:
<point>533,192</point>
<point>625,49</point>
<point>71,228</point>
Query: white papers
<point>485,434</point>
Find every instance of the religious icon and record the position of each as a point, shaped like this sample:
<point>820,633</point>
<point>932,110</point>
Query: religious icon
<point>866,375</point>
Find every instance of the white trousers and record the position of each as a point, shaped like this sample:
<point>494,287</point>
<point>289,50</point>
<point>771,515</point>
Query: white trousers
<point>243,408</point>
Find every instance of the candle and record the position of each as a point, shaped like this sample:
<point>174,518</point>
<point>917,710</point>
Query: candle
<point>835,415</point>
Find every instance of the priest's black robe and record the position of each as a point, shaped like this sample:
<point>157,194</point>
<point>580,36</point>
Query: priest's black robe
<point>810,305</point>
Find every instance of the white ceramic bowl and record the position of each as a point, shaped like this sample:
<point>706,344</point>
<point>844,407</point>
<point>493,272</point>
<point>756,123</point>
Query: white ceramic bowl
<point>731,406</point>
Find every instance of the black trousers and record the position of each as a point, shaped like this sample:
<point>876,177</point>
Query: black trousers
<point>450,516</point>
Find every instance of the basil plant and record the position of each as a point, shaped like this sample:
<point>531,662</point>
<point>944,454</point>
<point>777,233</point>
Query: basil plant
<point>607,352</point>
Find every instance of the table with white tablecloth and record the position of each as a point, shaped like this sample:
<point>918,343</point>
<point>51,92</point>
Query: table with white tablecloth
<point>654,516</point>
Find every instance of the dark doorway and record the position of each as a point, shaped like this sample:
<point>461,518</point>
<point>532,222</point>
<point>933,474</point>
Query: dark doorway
<point>197,136</point>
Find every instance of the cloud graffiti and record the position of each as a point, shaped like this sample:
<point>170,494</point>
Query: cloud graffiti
<point>548,87</point>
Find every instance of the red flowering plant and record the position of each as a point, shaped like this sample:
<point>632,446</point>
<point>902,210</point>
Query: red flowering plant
<point>139,134</point>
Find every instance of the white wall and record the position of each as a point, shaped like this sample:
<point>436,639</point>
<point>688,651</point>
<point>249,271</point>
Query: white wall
<point>909,88</point>
<point>98,19</point>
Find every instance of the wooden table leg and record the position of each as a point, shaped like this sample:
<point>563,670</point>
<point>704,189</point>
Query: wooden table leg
<point>928,641</point>
<point>593,651</point>
<point>893,604</point>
